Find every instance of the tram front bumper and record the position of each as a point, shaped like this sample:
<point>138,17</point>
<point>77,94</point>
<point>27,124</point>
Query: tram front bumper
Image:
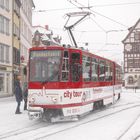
<point>34,114</point>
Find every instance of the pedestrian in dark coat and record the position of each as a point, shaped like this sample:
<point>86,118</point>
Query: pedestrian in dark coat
<point>25,95</point>
<point>18,94</point>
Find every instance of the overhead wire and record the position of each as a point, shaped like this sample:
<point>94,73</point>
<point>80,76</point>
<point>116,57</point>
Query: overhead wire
<point>97,13</point>
<point>116,4</point>
<point>91,31</point>
<point>98,24</point>
<point>104,5</point>
<point>93,12</point>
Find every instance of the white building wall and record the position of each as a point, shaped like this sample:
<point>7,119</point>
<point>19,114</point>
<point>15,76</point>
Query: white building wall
<point>6,45</point>
<point>26,33</point>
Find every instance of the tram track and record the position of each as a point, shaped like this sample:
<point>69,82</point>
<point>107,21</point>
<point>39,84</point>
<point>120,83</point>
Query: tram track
<point>23,130</point>
<point>129,127</point>
<point>137,137</point>
<point>113,106</point>
<point>39,125</point>
<point>92,120</point>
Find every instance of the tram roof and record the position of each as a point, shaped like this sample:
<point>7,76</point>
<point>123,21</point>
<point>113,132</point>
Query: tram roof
<point>86,52</point>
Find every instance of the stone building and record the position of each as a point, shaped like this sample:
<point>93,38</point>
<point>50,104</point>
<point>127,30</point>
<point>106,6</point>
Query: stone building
<point>43,36</point>
<point>25,36</point>
<point>15,40</point>
<point>6,47</point>
<point>132,57</point>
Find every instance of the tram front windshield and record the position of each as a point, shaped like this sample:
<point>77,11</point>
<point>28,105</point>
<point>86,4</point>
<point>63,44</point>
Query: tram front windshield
<point>44,65</point>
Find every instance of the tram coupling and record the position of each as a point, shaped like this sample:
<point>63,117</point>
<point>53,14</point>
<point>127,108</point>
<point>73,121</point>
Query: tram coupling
<point>35,114</point>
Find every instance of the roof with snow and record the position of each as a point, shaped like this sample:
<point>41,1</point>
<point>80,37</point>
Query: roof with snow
<point>41,30</point>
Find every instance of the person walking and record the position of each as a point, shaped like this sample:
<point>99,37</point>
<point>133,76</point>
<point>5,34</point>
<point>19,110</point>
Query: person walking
<point>18,94</point>
<point>25,95</point>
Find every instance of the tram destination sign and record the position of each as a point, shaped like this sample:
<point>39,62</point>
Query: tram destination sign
<point>47,53</point>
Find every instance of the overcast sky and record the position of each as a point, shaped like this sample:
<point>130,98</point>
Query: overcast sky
<point>104,29</point>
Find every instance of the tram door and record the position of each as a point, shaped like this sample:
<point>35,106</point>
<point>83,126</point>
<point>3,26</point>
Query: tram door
<point>76,68</point>
<point>65,66</point>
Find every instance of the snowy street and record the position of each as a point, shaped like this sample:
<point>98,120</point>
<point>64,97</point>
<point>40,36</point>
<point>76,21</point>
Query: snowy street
<point>120,121</point>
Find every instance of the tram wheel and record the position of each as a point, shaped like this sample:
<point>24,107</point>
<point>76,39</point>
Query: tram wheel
<point>98,104</point>
<point>51,113</point>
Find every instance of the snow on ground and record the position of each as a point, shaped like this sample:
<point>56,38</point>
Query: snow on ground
<point>110,127</point>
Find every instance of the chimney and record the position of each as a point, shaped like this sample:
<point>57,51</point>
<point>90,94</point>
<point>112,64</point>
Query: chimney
<point>46,27</point>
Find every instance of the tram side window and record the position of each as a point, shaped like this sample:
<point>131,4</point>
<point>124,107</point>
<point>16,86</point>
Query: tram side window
<point>118,74</point>
<point>108,72</point>
<point>101,70</point>
<point>86,68</point>
<point>75,57</point>
<point>94,69</point>
<point>75,67</point>
<point>65,66</point>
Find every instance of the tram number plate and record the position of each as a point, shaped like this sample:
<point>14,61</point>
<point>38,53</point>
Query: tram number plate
<point>73,110</point>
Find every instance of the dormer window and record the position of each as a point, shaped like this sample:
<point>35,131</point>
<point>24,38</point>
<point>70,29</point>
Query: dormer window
<point>137,36</point>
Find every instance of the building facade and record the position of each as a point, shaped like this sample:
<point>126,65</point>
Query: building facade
<point>25,35</point>
<point>5,48</point>
<point>132,57</point>
<point>43,36</point>
<point>15,40</point>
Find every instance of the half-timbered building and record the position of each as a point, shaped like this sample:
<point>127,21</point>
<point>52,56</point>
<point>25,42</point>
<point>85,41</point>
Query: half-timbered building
<point>132,57</point>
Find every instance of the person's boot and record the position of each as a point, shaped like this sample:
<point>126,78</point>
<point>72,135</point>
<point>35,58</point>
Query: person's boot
<point>18,112</point>
<point>25,107</point>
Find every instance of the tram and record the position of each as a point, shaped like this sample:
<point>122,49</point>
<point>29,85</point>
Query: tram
<point>66,82</point>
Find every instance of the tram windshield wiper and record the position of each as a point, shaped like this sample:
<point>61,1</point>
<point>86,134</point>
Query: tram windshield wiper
<point>51,78</point>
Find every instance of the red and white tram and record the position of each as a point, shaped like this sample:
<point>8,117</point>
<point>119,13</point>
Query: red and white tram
<point>65,83</point>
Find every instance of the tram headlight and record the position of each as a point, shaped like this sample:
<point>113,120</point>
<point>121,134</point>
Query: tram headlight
<point>54,99</point>
<point>31,101</point>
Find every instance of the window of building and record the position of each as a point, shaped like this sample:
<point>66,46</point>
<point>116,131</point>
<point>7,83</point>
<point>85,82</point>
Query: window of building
<point>16,30</point>
<point>16,8</point>
<point>7,26</point>
<point>7,53</point>
<point>4,25</point>
<point>1,24</point>
<point>136,63</point>
<point>1,53</point>
<point>7,5</point>
<point>125,63</point>
<point>130,63</point>
<point>4,53</point>
<point>130,80</point>
<point>136,48</point>
<point>1,82</point>
<point>16,56</point>
<point>4,4</point>
<point>137,36</point>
